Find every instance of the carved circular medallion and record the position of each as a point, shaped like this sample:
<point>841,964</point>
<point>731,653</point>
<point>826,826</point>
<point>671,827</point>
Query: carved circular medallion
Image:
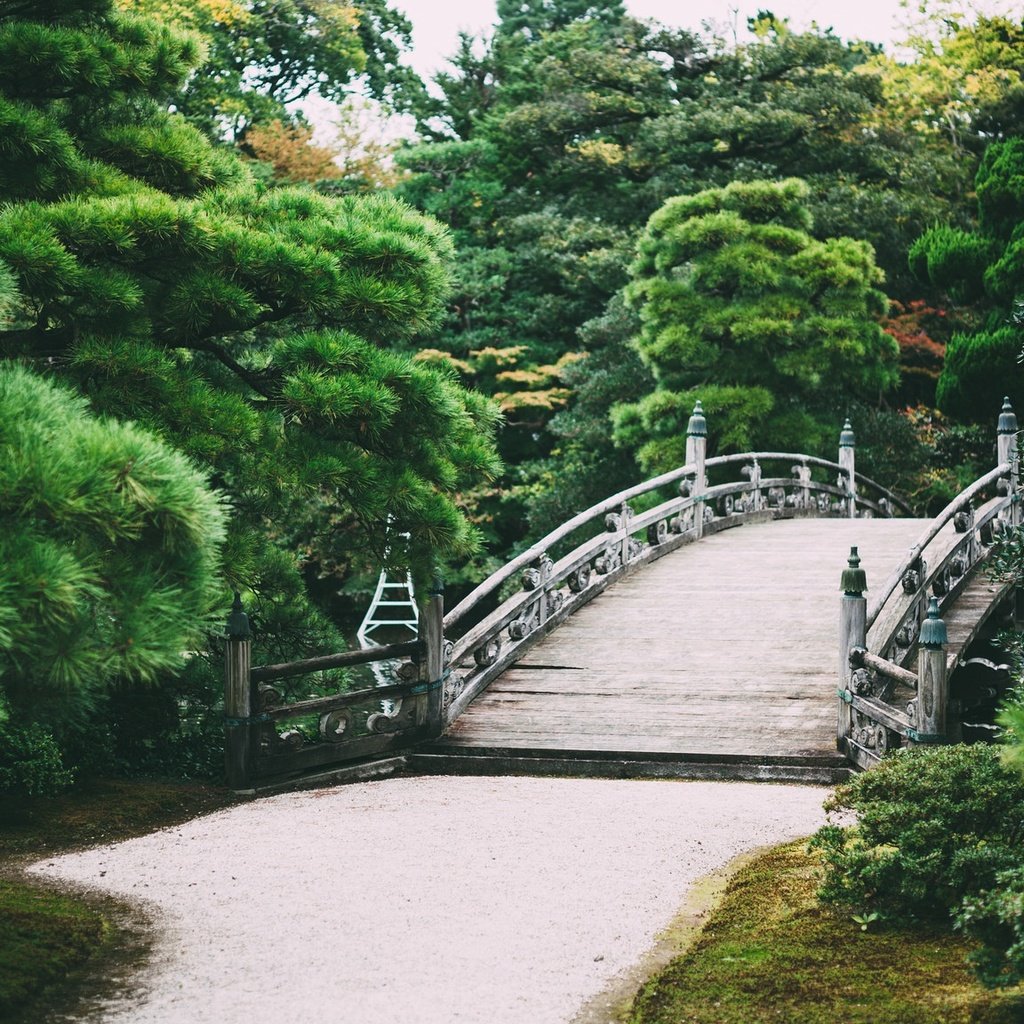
<point>334,725</point>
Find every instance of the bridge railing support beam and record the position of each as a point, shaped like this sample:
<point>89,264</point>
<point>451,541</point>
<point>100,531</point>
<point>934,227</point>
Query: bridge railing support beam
<point>1006,451</point>
<point>696,454</point>
<point>241,733</point>
<point>847,462</point>
<point>431,667</point>
<point>930,725</point>
<point>853,616</point>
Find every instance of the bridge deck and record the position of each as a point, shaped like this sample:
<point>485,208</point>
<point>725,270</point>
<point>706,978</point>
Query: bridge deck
<point>723,650</point>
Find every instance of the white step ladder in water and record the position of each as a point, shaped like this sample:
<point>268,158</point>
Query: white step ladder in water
<point>393,610</point>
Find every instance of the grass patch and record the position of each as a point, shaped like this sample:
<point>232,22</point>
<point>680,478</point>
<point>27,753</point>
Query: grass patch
<point>44,938</point>
<point>47,937</point>
<point>772,953</point>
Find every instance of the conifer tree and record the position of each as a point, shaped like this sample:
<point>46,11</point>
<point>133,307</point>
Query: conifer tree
<point>110,546</point>
<point>982,270</point>
<point>741,308</point>
<point>253,329</point>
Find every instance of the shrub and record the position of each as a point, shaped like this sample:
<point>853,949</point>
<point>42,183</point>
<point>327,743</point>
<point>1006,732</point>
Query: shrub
<point>996,919</point>
<point>30,762</point>
<point>933,826</point>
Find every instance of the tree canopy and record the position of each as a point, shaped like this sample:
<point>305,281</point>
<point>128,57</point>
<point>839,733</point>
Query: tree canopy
<point>252,328</point>
<point>263,56</point>
<point>740,307</point>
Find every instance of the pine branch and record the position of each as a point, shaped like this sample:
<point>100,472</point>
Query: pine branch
<point>254,380</point>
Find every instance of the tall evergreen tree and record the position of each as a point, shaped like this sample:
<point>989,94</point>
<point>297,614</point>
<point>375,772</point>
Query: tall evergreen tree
<point>740,307</point>
<point>252,329</point>
<point>982,270</point>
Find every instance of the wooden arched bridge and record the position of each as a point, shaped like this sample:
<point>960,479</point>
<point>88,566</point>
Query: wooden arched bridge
<point>691,626</point>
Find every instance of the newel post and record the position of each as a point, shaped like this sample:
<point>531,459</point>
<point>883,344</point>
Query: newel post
<point>696,455</point>
<point>932,682</point>
<point>1006,451</point>
<point>847,464</point>
<point>241,736</point>
<point>853,617</point>
<point>432,659</point>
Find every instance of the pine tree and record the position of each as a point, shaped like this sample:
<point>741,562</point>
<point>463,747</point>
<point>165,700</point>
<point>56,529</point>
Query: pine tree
<point>741,308</point>
<point>984,271</point>
<point>253,329</point>
<point>110,552</point>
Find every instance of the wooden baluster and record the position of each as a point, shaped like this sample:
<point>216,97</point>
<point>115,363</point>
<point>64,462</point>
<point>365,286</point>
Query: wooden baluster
<point>847,463</point>
<point>241,734</point>
<point>756,498</point>
<point>803,476</point>
<point>696,455</point>
<point>853,615</point>
<point>932,682</point>
<point>625,514</point>
<point>432,659</point>
<point>1006,451</point>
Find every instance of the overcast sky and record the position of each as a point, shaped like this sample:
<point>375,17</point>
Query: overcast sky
<point>436,23</point>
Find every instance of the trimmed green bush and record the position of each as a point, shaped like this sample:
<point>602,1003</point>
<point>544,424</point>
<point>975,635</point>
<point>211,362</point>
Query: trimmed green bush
<point>996,919</point>
<point>934,826</point>
<point>30,762</point>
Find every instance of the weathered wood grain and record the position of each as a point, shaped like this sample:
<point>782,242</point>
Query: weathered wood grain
<point>726,647</point>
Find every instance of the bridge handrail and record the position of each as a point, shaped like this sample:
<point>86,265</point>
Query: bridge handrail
<point>814,460</point>
<point>964,498</point>
<point>612,504</point>
<point>878,645</point>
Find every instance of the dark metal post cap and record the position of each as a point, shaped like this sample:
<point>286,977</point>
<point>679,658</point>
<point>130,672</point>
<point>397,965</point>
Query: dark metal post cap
<point>933,629</point>
<point>846,438</point>
<point>238,622</point>
<point>698,425</point>
<point>854,580</point>
<point>1007,418</point>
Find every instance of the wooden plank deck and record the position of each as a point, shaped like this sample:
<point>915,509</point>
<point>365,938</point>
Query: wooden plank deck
<point>723,650</point>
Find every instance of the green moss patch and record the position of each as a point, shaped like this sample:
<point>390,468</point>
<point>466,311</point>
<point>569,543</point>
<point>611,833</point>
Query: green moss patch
<point>44,939</point>
<point>47,937</point>
<point>101,811</point>
<point>772,953</point>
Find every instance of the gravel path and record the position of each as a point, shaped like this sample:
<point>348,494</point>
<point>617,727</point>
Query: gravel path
<point>424,900</point>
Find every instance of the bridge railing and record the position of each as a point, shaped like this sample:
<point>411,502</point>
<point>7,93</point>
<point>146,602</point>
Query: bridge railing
<point>882,704</point>
<point>338,728</point>
<point>491,629</point>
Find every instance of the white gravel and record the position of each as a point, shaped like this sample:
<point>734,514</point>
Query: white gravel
<point>424,900</point>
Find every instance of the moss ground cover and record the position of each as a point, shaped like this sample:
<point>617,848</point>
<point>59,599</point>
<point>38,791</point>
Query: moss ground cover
<point>771,952</point>
<point>48,940</point>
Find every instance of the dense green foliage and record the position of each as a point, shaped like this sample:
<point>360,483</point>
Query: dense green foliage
<point>739,306</point>
<point>31,762</point>
<point>110,543</point>
<point>996,919</point>
<point>251,328</point>
<point>985,268</point>
<point>934,826</point>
